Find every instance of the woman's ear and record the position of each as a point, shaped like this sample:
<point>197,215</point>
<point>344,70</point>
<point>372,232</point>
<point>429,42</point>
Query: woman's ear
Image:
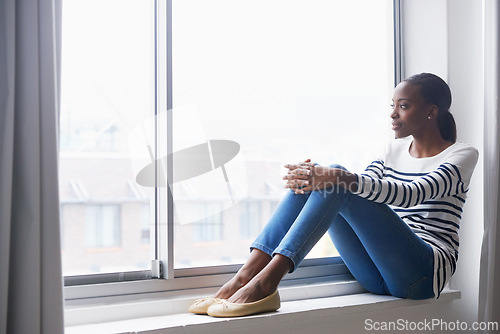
<point>432,111</point>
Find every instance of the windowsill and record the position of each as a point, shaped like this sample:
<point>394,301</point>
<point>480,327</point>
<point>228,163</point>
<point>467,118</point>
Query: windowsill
<point>176,320</point>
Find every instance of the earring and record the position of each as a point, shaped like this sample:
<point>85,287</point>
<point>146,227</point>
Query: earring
<point>429,117</point>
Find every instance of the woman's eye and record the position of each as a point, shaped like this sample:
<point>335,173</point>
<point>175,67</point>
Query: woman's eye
<point>392,105</point>
<point>403,106</point>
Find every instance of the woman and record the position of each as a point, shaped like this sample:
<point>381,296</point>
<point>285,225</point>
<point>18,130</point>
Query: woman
<point>395,225</point>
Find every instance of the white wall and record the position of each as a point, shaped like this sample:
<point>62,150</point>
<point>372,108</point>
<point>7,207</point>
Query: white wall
<point>425,37</point>
<point>466,79</point>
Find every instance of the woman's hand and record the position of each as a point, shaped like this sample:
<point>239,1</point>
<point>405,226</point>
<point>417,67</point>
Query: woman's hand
<point>307,176</point>
<point>298,176</point>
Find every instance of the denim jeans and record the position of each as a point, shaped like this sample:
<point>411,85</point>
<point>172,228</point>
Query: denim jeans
<point>377,246</point>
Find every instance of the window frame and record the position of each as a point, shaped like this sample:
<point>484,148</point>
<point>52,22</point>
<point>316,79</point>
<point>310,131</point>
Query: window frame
<point>163,277</point>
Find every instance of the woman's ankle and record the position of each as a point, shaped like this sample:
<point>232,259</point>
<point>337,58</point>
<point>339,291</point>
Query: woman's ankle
<point>256,263</point>
<point>264,286</point>
<point>228,289</point>
<point>255,290</point>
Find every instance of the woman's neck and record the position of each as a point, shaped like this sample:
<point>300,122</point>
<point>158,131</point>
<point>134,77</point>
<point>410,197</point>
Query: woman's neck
<point>428,146</point>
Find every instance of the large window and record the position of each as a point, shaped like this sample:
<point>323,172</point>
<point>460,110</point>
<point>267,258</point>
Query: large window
<point>215,96</point>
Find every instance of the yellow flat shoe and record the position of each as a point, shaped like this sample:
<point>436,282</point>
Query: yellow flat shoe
<point>200,306</point>
<point>224,308</point>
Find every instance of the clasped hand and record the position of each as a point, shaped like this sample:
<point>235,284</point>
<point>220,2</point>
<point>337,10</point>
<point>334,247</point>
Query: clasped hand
<point>307,176</point>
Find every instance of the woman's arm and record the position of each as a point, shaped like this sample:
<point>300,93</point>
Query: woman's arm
<point>450,178</point>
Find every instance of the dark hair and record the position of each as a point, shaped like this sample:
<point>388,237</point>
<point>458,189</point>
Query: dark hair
<point>435,91</point>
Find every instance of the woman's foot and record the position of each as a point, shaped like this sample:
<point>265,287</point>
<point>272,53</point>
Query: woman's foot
<point>258,295</point>
<point>254,291</point>
<point>224,308</point>
<point>256,262</point>
<point>265,282</point>
<point>200,306</point>
<point>228,289</point>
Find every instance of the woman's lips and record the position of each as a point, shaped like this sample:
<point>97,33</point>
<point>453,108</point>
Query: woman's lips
<point>396,126</point>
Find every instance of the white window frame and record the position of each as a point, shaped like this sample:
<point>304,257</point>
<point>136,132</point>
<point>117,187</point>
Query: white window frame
<point>79,289</point>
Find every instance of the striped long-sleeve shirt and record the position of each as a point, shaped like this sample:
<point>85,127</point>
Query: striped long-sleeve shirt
<point>427,193</point>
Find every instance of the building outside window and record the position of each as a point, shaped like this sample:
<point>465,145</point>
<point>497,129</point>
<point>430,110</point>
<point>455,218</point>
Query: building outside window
<point>102,226</point>
<point>250,213</point>
<point>210,227</point>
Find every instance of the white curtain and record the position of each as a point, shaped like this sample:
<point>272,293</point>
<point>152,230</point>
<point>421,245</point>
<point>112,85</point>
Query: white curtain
<point>489,294</point>
<point>31,299</point>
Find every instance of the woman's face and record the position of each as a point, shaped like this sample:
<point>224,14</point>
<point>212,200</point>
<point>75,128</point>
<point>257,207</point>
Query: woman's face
<point>409,111</point>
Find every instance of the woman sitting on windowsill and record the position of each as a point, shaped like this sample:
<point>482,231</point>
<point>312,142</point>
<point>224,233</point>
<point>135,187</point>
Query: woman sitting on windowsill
<point>395,225</point>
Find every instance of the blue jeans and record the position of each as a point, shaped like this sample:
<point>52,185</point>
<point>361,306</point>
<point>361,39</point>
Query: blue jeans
<point>377,246</point>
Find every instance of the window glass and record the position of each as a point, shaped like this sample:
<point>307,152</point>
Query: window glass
<point>261,83</point>
<point>102,226</point>
<point>250,213</point>
<point>107,96</point>
<point>255,85</point>
<point>146,224</point>
<point>210,227</point>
